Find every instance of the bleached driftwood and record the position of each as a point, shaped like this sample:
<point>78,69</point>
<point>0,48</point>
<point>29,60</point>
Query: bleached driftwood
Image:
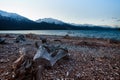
<point>43,53</point>
<point>34,65</point>
<point>22,66</point>
<point>43,58</point>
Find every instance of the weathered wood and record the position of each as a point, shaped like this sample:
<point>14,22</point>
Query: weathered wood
<point>28,64</point>
<point>22,66</point>
<point>53,57</point>
<point>38,72</point>
<point>60,54</point>
<point>42,53</point>
<point>43,58</point>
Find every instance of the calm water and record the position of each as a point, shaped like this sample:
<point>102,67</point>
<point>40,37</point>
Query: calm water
<point>111,34</point>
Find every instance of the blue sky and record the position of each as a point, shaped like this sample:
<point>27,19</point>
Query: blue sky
<point>98,12</point>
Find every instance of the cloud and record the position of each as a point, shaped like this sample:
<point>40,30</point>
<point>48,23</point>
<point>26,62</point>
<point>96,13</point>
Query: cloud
<point>114,18</point>
<point>102,20</point>
<point>118,20</point>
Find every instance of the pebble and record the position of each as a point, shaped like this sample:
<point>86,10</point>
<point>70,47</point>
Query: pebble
<point>86,61</point>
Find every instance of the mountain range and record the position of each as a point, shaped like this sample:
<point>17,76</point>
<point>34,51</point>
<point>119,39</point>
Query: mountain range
<point>13,21</point>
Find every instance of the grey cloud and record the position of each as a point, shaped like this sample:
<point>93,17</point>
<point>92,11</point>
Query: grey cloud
<point>118,20</point>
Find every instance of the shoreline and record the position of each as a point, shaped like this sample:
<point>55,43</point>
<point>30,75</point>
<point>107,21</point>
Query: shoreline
<point>114,35</point>
<point>90,58</point>
<point>15,34</point>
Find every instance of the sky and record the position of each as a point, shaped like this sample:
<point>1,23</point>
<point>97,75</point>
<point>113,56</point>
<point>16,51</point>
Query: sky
<point>97,12</point>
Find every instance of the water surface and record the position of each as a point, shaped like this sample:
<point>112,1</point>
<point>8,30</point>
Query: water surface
<point>107,34</point>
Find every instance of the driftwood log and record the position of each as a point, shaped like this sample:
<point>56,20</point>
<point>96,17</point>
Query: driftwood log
<point>30,67</point>
<point>23,66</point>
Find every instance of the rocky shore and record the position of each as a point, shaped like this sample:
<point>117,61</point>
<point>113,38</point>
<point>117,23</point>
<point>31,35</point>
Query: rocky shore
<point>89,58</point>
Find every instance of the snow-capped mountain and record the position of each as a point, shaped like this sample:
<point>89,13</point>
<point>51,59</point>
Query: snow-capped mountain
<point>13,16</point>
<point>50,20</point>
<point>55,21</point>
<point>13,21</point>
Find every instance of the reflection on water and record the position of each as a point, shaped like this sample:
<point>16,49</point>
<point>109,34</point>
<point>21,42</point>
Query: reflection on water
<point>112,34</point>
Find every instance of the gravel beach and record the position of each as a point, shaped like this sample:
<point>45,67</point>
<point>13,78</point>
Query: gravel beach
<point>89,58</point>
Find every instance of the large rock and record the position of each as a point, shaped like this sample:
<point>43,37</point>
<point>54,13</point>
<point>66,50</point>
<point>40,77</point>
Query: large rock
<point>2,40</point>
<point>20,38</point>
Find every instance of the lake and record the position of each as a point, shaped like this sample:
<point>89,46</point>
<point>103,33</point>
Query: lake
<point>106,34</point>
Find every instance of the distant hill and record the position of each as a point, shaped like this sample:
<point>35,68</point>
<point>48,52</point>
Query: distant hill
<point>50,20</point>
<point>13,21</point>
